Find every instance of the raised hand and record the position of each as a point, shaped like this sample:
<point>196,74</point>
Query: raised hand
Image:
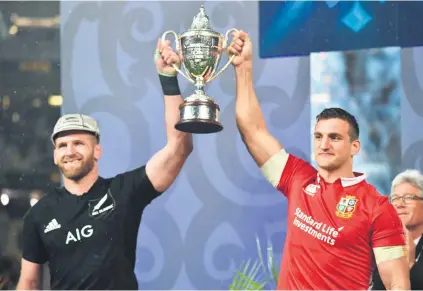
<point>165,57</point>
<point>241,47</point>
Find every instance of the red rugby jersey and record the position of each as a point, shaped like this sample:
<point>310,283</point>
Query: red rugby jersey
<point>332,228</point>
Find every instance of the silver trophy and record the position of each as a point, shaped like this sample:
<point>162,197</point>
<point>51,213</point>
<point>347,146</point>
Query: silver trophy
<point>200,49</point>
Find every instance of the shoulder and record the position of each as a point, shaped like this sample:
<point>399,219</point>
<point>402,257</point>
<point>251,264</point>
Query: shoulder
<point>371,201</point>
<point>370,193</point>
<point>42,207</point>
<point>131,174</point>
<point>134,180</point>
<point>284,165</point>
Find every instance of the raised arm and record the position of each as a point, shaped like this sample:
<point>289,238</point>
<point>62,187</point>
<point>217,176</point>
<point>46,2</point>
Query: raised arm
<point>249,117</point>
<point>163,168</point>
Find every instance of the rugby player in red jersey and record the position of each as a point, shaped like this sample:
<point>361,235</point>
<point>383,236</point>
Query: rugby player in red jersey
<point>339,226</point>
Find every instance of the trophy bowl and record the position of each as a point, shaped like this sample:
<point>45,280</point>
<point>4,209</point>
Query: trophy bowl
<point>200,49</point>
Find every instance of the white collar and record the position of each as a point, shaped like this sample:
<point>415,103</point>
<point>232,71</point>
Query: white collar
<point>416,241</point>
<point>347,182</point>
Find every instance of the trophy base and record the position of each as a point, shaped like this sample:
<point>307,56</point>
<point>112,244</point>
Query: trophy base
<point>199,116</point>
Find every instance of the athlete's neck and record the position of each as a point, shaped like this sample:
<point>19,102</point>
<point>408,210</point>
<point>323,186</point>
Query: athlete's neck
<point>82,186</point>
<point>332,176</point>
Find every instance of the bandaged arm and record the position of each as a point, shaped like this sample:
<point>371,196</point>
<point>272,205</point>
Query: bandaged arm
<point>273,168</point>
<point>389,246</point>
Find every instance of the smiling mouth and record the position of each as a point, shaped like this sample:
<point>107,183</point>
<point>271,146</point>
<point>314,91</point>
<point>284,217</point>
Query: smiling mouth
<point>70,162</point>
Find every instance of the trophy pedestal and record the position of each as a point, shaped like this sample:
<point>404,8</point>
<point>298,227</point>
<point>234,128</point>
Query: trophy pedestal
<point>199,114</point>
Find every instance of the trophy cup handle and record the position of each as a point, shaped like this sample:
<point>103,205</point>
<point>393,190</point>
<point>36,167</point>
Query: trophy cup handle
<point>178,51</point>
<point>225,44</point>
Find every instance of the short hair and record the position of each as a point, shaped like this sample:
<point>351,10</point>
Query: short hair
<point>410,176</point>
<point>330,113</point>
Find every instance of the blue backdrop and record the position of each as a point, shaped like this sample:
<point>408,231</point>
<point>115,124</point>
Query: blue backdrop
<point>199,231</point>
<point>300,27</point>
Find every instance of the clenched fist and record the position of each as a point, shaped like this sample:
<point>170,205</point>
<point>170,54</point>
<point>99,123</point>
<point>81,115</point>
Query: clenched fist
<point>165,57</point>
<point>242,48</point>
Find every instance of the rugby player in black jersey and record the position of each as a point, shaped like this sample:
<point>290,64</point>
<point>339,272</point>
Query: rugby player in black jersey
<point>87,230</point>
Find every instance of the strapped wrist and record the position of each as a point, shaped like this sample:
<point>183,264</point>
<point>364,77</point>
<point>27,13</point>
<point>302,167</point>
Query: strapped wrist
<point>170,85</point>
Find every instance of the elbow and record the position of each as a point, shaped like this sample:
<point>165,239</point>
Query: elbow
<point>189,147</point>
<point>182,146</point>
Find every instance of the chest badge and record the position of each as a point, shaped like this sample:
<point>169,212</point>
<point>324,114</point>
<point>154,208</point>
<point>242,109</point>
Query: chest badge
<point>102,206</point>
<point>346,206</point>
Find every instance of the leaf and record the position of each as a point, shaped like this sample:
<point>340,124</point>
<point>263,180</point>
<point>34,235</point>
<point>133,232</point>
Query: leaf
<point>247,278</point>
<point>258,274</point>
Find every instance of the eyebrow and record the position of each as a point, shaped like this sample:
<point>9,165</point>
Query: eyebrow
<point>72,141</point>
<point>405,194</point>
<point>331,134</point>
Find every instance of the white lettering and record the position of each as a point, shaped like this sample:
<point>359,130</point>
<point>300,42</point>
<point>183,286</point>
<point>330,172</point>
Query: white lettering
<point>102,210</point>
<point>319,230</point>
<point>85,232</point>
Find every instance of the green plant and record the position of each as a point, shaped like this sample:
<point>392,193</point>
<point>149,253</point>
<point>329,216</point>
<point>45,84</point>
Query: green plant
<point>257,274</point>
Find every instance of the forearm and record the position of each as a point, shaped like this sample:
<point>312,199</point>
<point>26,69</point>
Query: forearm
<point>178,143</point>
<point>163,168</point>
<point>250,120</point>
<point>249,116</point>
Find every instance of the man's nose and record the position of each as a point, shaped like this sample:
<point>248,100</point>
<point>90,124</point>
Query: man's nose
<point>399,204</point>
<point>324,143</point>
<point>70,150</point>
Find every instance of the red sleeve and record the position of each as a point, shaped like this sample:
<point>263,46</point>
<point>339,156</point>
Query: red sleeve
<point>294,174</point>
<point>387,227</point>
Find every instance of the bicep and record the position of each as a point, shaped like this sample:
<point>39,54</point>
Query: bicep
<point>30,275</point>
<point>262,146</point>
<point>163,168</point>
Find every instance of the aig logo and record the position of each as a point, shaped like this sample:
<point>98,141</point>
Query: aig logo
<point>79,234</point>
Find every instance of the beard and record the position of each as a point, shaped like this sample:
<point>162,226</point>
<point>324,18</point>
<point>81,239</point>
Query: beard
<point>77,170</point>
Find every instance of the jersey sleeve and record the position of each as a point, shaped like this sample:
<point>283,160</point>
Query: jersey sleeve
<point>139,186</point>
<point>285,171</point>
<point>387,227</point>
<point>33,248</point>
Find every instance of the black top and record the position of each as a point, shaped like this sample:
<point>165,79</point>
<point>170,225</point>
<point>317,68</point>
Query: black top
<point>90,240</point>
<point>416,278</point>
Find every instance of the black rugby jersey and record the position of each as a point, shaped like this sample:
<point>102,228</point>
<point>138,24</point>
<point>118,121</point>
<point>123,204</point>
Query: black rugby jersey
<point>90,240</point>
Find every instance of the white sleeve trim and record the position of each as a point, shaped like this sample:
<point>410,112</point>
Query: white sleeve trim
<point>273,168</point>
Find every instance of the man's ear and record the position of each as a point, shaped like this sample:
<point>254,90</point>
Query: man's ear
<point>355,147</point>
<point>97,152</point>
<point>54,157</point>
